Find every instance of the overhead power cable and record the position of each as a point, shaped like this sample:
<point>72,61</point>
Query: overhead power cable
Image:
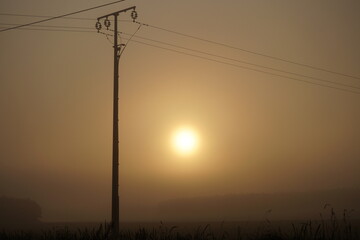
<point>194,37</point>
<point>131,36</point>
<point>249,51</point>
<point>42,16</point>
<point>190,36</point>
<point>50,26</point>
<point>248,68</point>
<point>205,58</point>
<point>55,30</point>
<point>46,16</point>
<point>201,52</point>
<point>245,62</point>
<point>60,16</point>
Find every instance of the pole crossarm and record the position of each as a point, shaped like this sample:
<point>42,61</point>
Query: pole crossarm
<point>117,13</point>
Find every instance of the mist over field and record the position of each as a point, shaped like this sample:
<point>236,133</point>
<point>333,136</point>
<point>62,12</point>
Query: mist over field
<point>260,207</point>
<point>285,206</point>
<point>228,111</point>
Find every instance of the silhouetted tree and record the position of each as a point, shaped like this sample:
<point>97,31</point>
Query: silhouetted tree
<point>18,212</point>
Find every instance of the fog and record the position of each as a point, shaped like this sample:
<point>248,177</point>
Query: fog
<point>258,133</point>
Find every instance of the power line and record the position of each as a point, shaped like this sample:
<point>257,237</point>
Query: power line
<point>201,52</point>
<point>42,16</point>
<point>245,62</point>
<point>131,36</point>
<point>249,51</point>
<point>185,35</point>
<point>252,69</point>
<point>182,34</point>
<point>50,26</point>
<point>60,16</point>
<point>208,59</point>
<point>55,30</point>
<point>46,16</point>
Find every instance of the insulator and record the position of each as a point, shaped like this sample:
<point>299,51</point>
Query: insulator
<point>134,15</point>
<point>98,26</point>
<point>107,23</point>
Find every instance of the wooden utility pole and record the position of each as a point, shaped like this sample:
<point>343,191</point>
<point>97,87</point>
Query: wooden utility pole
<point>115,145</point>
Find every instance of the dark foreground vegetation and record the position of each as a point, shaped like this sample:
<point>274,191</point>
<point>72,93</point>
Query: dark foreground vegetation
<point>331,229</point>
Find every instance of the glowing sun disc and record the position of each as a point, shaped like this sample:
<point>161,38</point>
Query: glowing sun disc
<point>185,141</point>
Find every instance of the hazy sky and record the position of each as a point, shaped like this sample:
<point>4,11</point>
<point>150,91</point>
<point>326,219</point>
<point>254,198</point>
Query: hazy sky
<point>257,132</point>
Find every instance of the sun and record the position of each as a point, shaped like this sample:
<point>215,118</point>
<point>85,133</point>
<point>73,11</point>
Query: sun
<point>185,141</point>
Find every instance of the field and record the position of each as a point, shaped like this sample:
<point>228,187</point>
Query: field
<point>333,228</point>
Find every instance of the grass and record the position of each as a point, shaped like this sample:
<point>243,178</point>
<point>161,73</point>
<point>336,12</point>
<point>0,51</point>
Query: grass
<point>333,228</point>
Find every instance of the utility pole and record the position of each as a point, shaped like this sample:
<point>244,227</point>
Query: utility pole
<point>115,145</point>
